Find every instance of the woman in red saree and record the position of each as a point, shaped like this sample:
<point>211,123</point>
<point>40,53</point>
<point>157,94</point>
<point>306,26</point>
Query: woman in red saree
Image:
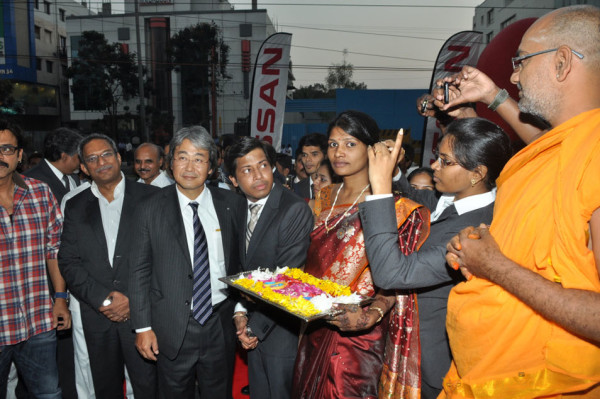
<point>343,358</point>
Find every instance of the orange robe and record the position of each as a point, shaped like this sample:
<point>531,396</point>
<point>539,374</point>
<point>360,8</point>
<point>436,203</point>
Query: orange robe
<point>546,196</point>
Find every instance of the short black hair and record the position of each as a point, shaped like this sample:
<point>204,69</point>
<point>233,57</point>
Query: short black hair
<point>240,149</point>
<point>284,160</point>
<point>61,140</point>
<point>477,141</point>
<point>418,171</point>
<point>358,125</point>
<point>314,140</point>
<point>15,129</point>
<point>95,136</point>
<point>409,152</point>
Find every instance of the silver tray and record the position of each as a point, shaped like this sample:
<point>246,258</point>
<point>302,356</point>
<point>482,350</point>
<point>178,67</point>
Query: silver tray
<point>230,279</point>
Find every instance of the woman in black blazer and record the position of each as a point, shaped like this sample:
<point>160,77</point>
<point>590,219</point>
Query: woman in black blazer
<point>470,158</point>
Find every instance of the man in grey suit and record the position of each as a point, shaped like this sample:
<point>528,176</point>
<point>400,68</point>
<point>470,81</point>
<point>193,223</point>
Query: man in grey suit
<point>186,239</point>
<point>93,258</point>
<point>58,169</point>
<point>60,162</point>
<point>276,232</point>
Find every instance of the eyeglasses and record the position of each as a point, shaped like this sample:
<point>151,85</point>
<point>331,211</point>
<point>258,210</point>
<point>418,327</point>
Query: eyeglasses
<point>444,162</point>
<point>182,159</point>
<point>8,149</point>
<point>93,159</point>
<point>517,62</point>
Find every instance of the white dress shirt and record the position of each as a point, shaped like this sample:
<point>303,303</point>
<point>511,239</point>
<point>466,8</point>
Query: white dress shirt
<point>464,205</point>
<point>210,223</point>
<point>111,214</point>
<point>161,180</point>
<point>60,175</point>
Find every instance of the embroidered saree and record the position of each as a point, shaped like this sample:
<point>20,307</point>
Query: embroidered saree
<point>335,364</point>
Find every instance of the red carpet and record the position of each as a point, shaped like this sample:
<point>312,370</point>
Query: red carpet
<point>240,374</point>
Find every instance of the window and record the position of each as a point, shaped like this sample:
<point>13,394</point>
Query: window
<point>62,42</point>
<point>482,20</point>
<point>38,64</point>
<point>123,33</point>
<point>49,66</point>
<point>490,16</point>
<point>62,14</point>
<point>489,37</point>
<point>47,7</point>
<point>36,4</point>
<point>47,36</point>
<point>38,32</point>
<point>508,21</point>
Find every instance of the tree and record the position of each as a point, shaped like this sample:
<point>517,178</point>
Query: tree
<point>7,100</point>
<point>199,54</point>
<point>339,76</point>
<point>104,75</point>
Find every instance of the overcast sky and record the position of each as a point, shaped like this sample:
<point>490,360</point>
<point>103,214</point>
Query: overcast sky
<point>391,43</point>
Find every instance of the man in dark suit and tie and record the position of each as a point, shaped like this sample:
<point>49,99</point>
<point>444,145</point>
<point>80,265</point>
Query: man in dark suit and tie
<point>93,258</point>
<point>57,170</point>
<point>186,239</point>
<point>313,149</point>
<point>60,162</point>
<point>275,232</point>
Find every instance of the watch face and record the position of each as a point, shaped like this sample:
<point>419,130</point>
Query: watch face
<point>107,302</point>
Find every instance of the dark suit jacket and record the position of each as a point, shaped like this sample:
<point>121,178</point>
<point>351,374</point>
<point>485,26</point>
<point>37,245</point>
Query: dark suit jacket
<point>161,269</point>
<point>302,188</point>
<point>425,270</point>
<point>83,255</point>
<point>42,172</point>
<point>281,238</point>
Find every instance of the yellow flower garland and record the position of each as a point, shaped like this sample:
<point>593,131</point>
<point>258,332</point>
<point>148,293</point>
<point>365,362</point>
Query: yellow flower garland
<point>298,305</point>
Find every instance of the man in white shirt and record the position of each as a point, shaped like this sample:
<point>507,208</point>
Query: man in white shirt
<point>185,240</point>
<point>148,162</point>
<point>94,260</point>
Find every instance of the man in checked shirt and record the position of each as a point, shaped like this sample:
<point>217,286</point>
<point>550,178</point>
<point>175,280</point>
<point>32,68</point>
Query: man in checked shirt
<point>30,227</point>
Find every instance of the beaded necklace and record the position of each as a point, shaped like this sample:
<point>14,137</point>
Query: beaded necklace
<point>347,210</point>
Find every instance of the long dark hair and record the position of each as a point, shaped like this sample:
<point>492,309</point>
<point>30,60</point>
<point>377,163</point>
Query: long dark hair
<point>477,141</point>
<point>357,124</point>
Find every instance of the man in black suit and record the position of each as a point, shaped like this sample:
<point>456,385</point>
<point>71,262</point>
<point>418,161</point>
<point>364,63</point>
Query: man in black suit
<point>93,258</point>
<point>313,149</point>
<point>276,231</point>
<point>58,169</point>
<point>186,239</point>
<point>60,162</point>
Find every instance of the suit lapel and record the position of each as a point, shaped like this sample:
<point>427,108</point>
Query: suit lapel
<point>266,217</point>
<point>125,223</point>
<point>54,182</point>
<point>95,221</point>
<point>172,214</point>
<point>223,214</point>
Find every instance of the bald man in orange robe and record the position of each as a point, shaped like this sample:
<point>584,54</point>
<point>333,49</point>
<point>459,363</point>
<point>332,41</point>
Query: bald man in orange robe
<point>527,322</point>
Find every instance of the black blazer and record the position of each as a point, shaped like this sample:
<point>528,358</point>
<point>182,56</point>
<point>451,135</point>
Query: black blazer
<point>425,270</point>
<point>160,266</point>
<point>281,238</point>
<point>42,172</point>
<point>83,254</point>
<point>302,188</point>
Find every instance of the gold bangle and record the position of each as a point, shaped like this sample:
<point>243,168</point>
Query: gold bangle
<point>381,313</point>
<point>240,314</point>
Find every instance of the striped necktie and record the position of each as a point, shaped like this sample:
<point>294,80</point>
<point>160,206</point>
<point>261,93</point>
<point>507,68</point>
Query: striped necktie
<point>201,296</point>
<point>254,209</point>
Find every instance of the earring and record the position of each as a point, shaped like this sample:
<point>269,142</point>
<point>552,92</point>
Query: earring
<point>473,182</point>
<point>557,76</point>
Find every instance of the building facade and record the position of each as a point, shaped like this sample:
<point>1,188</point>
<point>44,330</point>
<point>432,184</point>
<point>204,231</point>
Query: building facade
<point>242,30</point>
<point>33,57</point>
<point>492,16</point>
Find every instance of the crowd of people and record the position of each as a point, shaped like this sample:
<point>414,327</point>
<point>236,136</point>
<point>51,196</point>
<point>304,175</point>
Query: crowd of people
<point>483,270</point>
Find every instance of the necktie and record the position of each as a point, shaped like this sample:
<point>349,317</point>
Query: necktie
<point>254,208</point>
<point>65,179</point>
<point>201,292</point>
<point>312,191</point>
